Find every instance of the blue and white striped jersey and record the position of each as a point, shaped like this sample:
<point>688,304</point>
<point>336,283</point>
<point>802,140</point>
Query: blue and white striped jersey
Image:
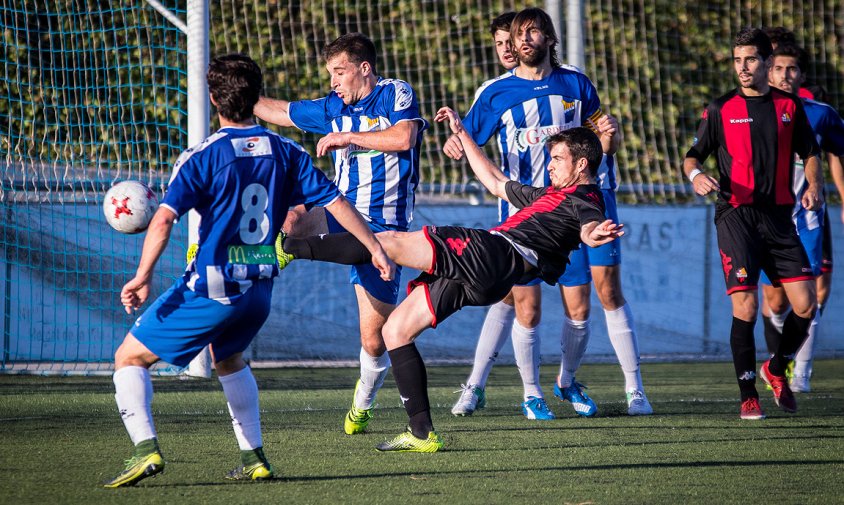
<point>523,113</point>
<point>829,133</point>
<point>380,185</point>
<point>241,181</point>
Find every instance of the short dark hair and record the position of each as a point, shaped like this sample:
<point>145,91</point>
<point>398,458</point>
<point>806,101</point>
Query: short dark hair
<point>235,81</point>
<point>780,35</point>
<point>794,51</point>
<point>540,19</point>
<point>754,37</point>
<point>501,22</point>
<point>357,46</point>
<point>582,143</point>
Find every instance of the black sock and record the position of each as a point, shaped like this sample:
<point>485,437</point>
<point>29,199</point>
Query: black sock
<point>342,248</point>
<point>772,335</point>
<point>744,357</point>
<point>412,382</point>
<point>794,332</point>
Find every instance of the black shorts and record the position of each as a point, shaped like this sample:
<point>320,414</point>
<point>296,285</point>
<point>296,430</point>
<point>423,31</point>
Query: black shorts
<point>471,267</point>
<point>826,248</point>
<point>751,239</point>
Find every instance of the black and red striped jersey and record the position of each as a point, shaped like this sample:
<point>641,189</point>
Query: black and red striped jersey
<point>549,222</point>
<point>756,138</point>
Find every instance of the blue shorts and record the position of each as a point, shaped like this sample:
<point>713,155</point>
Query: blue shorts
<point>180,323</point>
<point>578,272</point>
<point>813,243</point>
<point>367,275</point>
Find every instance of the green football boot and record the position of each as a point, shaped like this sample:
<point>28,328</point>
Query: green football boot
<point>137,469</point>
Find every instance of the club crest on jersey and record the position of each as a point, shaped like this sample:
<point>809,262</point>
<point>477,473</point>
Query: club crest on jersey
<point>371,123</point>
<point>786,118</point>
<point>252,146</point>
<point>741,275</point>
<point>529,137</point>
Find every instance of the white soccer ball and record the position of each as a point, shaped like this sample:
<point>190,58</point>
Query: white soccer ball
<point>129,206</point>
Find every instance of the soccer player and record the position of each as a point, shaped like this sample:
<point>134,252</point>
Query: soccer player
<point>241,180</point>
<point>536,99</point>
<point>373,129</point>
<point>465,266</point>
<point>756,131</point>
<point>788,74</point>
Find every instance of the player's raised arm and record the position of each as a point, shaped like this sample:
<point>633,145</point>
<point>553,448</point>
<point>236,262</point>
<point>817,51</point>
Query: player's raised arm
<point>350,219</point>
<point>399,137</point>
<point>595,234</point>
<point>608,132</point>
<point>490,176</point>
<point>273,111</point>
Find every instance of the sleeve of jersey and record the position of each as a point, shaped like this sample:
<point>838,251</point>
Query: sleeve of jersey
<point>310,115</point>
<point>832,136</point>
<point>705,140</point>
<point>522,195</point>
<point>805,144</point>
<point>186,186</point>
<point>313,188</point>
<point>589,213</point>
<point>403,104</point>
<point>591,104</point>
<point>481,122</point>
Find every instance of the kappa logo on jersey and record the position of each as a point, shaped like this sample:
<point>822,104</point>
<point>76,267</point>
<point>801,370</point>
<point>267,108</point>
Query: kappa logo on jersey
<point>786,118</point>
<point>741,275</point>
<point>252,146</point>
<point>705,114</point>
<point>741,120</point>
<point>529,137</point>
<point>458,245</point>
<point>404,96</point>
<point>726,263</point>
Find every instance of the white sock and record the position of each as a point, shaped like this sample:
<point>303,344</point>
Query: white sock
<point>133,393</point>
<point>373,371</point>
<point>241,391</point>
<point>526,349</point>
<point>573,342</point>
<point>497,326</point>
<point>803,359</point>
<point>623,338</point>
<point>778,320</point>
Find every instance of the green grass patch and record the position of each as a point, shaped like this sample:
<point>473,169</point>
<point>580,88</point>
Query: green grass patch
<point>62,436</point>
